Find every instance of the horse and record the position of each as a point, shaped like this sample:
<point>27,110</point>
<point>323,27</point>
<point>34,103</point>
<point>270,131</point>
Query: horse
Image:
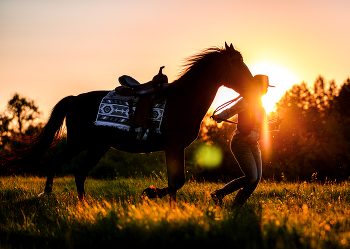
<point>188,99</point>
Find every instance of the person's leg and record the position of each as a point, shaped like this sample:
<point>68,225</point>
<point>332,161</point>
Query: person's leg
<point>244,193</point>
<point>245,158</point>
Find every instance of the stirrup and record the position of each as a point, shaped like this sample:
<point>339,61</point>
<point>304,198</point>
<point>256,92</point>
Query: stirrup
<point>145,135</point>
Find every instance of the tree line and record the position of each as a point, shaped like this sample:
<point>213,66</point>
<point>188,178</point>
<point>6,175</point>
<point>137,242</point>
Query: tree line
<point>314,138</point>
<point>313,141</point>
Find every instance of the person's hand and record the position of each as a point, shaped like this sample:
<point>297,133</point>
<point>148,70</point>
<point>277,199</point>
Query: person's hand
<point>217,118</point>
<point>279,120</point>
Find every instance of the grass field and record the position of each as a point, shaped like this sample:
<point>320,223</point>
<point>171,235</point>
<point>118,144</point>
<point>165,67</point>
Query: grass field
<point>277,215</point>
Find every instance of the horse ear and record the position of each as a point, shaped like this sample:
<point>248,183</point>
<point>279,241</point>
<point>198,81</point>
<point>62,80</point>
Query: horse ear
<point>226,46</point>
<point>231,46</point>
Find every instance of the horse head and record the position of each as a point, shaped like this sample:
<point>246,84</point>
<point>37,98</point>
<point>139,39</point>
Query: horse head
<point>238,76</point>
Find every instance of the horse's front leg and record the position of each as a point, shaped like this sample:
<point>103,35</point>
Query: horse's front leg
<point>153,192</point>
<point>172,199</point>
<point>175,160</point>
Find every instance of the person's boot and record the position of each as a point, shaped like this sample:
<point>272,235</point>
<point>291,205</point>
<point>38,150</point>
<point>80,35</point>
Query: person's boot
<point>217,196</point>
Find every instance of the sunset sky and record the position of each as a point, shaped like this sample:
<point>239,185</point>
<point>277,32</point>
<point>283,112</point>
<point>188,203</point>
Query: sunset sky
<point>51,49</point>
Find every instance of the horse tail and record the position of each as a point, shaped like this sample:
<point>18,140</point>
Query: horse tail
<point>47,138</point>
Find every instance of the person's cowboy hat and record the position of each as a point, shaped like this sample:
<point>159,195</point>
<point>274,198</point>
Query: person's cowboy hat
<point>263,80</point>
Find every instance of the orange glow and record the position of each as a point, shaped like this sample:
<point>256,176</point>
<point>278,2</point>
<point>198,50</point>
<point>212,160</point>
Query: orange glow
<point>51,49</point>
<point>280,77</point>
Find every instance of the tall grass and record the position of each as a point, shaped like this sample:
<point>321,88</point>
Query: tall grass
<point>277,215</point>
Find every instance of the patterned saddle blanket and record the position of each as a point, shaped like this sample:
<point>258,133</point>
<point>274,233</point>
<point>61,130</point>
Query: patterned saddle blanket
<point>114,111</point>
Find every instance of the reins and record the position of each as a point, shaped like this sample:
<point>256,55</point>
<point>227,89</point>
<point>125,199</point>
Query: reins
<point>224,105</point>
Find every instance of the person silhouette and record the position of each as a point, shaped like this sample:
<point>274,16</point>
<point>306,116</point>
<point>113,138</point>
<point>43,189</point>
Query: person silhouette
<point>252,126</point>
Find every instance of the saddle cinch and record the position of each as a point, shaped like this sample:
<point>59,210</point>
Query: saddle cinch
<point>146,93</point>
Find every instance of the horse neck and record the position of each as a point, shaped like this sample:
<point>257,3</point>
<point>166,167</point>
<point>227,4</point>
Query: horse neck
<point>200,93</point>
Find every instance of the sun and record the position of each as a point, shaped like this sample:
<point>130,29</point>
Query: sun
<point>279,76</point>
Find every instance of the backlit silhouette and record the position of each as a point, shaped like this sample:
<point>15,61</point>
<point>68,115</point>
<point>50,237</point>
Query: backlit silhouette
<point>187,101</point>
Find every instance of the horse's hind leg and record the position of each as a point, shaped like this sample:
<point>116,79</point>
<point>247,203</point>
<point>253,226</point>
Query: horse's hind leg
<point>92,157</point>
<point>53,165</point>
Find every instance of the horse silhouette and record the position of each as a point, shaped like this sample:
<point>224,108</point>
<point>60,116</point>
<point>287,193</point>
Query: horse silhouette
<point>188,99</point>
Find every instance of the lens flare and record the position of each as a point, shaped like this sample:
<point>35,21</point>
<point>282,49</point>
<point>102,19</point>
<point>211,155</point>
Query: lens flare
<point>208,156</point>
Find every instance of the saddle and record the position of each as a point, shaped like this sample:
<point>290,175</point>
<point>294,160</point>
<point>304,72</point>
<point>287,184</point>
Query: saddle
<point>133,87</point>
<point>146,92</point>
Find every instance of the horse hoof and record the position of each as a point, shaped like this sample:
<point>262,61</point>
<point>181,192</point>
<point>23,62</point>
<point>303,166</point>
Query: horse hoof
<point>149,193</point>
<point>43,194</point>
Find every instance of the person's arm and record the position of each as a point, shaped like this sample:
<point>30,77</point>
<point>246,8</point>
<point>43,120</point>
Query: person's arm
<point>230,112</point>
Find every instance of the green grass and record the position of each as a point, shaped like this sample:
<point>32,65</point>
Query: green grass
<point>277,215</point>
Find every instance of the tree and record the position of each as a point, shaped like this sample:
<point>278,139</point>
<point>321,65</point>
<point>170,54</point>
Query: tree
<point>319,93</point>
<point>342,102</point>
<point>18,120</point>
<point>4,130</point>
<point>314,136</point>
<point>23,110</point>
<point>291,147</point>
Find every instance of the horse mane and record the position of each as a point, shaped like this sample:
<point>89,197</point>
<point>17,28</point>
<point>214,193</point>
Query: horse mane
<point>197,64</point>
<point>198,59</point>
